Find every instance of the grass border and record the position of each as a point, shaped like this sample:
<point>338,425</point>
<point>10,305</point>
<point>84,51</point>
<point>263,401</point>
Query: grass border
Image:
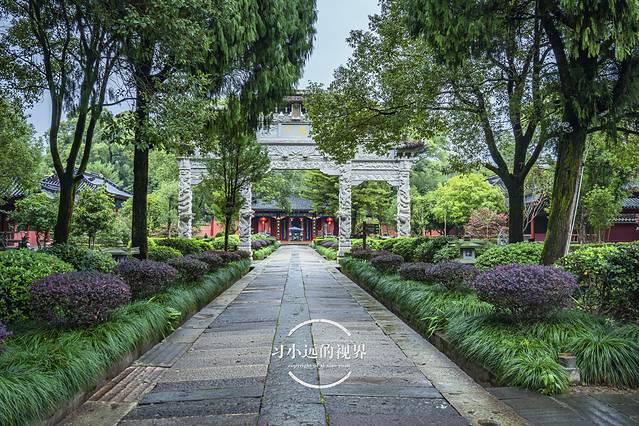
<point>46,371</point>
<point>265,252</point>
<point>326,252</point>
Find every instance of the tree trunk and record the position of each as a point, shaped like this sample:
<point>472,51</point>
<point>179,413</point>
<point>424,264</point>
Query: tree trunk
<point>65,209</point>
<point>139,232</point>
<point>227,229</point>
<point>516,211</point>
<point>364,239</point>
<point>570,152</point>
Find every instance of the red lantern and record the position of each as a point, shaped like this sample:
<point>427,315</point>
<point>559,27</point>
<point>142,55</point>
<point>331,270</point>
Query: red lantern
<point>329,220</point>
<point>263,220</point>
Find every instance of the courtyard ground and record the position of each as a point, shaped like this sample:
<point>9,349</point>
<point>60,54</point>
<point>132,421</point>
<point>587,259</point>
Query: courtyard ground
<point>246,359</point>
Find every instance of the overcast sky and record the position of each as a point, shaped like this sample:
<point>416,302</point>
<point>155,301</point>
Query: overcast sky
<point>335,19</point>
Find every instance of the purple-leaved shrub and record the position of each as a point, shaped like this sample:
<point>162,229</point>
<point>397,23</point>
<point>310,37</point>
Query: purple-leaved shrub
<point>454,276</point>
<point>211,258</point>
<point>387,263</point>
<point>146,277</point>
<point>189,268</point>
<point>367,253</point>
<point>415,271</point>
<point>527,291</point>
<point>77,299</point>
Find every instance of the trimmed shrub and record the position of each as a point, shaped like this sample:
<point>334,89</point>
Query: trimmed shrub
<point>367,254</point>
<point>82,259</point>
<point>527,291</point>
<point>18,269</point>
<point>146,277</point>
<point>449,252</point>
<point>621,289</point>
<point>329,244</point>
<point>4,332</point>
<point>388,244</point>
<point>415,271</point>
<point>77,299</point>
<point>520,253</point>
<point>405,247</point>
<point>211,258</point>
<point>189,268</point>
<point>162,253</point>
<point>427,248</point>
<point>387,263</point>
<point>185,245</point>
<point>229,256</point>
<point>217,243</point>
<point>454,276</point>
<point>245,254</point>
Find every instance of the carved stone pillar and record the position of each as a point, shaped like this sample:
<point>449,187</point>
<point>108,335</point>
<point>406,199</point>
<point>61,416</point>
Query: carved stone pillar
<point>185,199</point>
<point>344,212</point>
<point>246,214</point>
<point>403,200</point>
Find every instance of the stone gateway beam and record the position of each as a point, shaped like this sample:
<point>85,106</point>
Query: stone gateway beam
<point>289,146</point>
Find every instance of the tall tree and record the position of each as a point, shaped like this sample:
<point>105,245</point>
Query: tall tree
<point>591,70</point>
<point>490,104</point>
<point>237,162</point>
<point>67,49</point>
<point>94,214</point>
<point>16,137</point>
<point>253,49</point>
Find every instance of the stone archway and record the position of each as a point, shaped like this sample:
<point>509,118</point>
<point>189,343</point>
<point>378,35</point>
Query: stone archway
<point>290,147</point>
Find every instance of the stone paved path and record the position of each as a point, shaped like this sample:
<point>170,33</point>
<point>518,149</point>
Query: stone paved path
<point>232,364</point>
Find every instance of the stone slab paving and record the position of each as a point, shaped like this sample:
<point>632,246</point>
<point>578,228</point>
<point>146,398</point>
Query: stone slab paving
<point>258,354</point>
<point>572,409</point>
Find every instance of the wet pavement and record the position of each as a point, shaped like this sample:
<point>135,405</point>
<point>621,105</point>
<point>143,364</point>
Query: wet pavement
<point>294,342</point>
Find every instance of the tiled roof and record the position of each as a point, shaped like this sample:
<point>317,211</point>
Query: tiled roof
<point>51,185</point>
<point>297,203</point>
<point>631,202</point>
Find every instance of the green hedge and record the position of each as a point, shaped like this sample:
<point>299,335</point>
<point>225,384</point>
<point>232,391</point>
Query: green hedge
<point>522,253</point>
<point>264,252</point>
<point>41,370</point>
<point>518,354</point>
<point>328,253</point>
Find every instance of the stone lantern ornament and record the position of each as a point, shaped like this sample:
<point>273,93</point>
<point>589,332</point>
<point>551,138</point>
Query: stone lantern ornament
<point>468,251</point>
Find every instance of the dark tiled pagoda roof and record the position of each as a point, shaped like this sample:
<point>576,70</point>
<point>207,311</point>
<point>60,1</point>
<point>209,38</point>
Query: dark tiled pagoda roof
<point>632,202</point>
<point>51,185</point>
<point>297,204</point>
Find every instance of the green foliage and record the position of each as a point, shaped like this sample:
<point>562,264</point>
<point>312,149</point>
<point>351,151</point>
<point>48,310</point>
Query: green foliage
<point>454,201</point>
<point>18,269</point>
<point>405,247</point>
<point>20,168</point>
<point>82,259</point>
<point>51,366</point>
<point>426,251</point>
<point>94,213</point>
<point>450,251</point>
<point>328,253</point>
<point>608,278</point>
<point>601,209</point>
<point>36,212</point>
<point>162,253</point>
<point>606,358</point>
<point>519,354</point>
<point>322,191</point>
<point>523,253</point>
<point>264,252</point>
<point>185,245</point>
<point>218,242</point>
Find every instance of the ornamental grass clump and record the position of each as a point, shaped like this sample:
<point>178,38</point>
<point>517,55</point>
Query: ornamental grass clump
<point>77,299</point>
<point>189,268</point>
<point>211,258</point>
<point>415,271</point>
<point>526,291</point>
<point>454,276</point>
<point>388,263</point>
<point>146,277</point>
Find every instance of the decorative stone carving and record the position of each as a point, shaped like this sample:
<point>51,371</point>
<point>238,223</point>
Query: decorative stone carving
<point>344,212</point>
<point>403,201</point>
<point>185,199</point>
<point>246,214</point>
